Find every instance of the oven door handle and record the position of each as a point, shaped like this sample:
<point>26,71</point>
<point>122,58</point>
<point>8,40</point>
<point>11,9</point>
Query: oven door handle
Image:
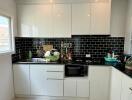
<point>73,67</point>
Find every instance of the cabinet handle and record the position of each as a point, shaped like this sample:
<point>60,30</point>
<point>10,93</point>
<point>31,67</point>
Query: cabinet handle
<point>54,71</point>
<point>89,89</point>
<point>54,79</point>
<point>130,89</point>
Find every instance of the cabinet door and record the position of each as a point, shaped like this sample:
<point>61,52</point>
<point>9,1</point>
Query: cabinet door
<point>43,20</point>
<point>62,20</point>
<point>26,20</point>
<point>38,79</point>
<point>116,84</point>
<point>126,93</point>
<point>81,14</point>
<point>70,87</point>
<point>54,87</point>
<point>21,79</point>
<point>130,95</point>
<point>99,82</point>
<point>83,88</point>
<point>100,18</point>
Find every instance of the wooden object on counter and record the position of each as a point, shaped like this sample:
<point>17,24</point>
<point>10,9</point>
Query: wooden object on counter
<point>47,47</point>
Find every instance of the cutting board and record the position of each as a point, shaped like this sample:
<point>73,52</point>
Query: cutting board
<point>47,47</point>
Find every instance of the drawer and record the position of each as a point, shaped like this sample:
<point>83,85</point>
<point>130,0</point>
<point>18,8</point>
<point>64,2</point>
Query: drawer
<point>55,75</point>
<point>55,68</point>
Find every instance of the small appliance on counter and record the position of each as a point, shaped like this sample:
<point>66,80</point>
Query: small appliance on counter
<point>76,68</point>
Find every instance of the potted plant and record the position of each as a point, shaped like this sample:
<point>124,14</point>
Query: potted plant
<point>128,65</point>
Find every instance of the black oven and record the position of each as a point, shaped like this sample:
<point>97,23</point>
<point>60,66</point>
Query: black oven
<point>76,70</point>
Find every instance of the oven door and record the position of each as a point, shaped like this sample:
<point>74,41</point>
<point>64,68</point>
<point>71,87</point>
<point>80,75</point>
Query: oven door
<point>74,70</point>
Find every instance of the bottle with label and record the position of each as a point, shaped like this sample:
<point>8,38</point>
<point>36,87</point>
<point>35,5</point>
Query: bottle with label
<point>30,55</point>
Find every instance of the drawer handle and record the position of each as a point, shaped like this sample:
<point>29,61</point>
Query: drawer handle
<point>54,71</point>
<point>54,79</point>
<point>130,89</point>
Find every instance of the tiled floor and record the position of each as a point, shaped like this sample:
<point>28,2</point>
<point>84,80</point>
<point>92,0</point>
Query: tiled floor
<point>37,99</point>
<point>46,99</point>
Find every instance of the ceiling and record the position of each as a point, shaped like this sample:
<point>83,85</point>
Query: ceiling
<point>59,1</point>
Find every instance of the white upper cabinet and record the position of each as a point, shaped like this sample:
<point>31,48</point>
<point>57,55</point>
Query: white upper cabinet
<point>26,20</point>
<point>91,18</point>
<point>81,17</point>
<point>100,18</point>
<point>43,21</point>
<point>35,20</point>
<point>62,20</point>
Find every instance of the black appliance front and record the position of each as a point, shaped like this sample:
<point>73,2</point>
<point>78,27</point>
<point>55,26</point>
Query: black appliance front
<point>76,70</point>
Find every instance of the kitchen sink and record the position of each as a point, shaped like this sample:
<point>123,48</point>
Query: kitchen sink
<point>35,60</point>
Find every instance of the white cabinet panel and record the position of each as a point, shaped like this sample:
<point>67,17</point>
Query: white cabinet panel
<point>130,95</point>
<point>38,79</point>
<point>62,20</point>
<point>21,79</point>
<point>26,20</point>
<point>55,75</point>
<point>99,82</point>
<point>81,14</point>
<point>76,87</point>
<point>70,87</point>
<point>116,84</point>
<point>83,88</point>
<point>126,93</point>
<point>54,87</point>
<point>100,18</point>
<point>43,20</point>
<point>55,68</point>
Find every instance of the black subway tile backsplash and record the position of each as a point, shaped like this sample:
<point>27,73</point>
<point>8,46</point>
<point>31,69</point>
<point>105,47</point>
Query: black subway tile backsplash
<point>97,46</point>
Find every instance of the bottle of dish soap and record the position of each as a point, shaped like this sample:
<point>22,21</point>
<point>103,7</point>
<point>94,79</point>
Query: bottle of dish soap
<point>30,55</point>
<point>113,54</point>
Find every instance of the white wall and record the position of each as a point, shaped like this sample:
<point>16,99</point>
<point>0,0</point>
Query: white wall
<point>6,82</point>
<point>128,28</point>
<point>7,7</point>
<point>118,17</point>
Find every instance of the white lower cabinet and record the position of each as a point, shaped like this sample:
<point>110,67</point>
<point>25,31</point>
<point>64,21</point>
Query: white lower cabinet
<point>99,82</point>
<point>21,79</point>
<point>83,88</point>
<point>38,79</point>
<point>70,87</point>
<point>126,93</point>
<point>116,82</point>
<point>121,86</point>
<point>54,87</point>
<point>76,87</point>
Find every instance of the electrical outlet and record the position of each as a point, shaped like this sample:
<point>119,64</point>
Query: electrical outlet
<point>88,55</point>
